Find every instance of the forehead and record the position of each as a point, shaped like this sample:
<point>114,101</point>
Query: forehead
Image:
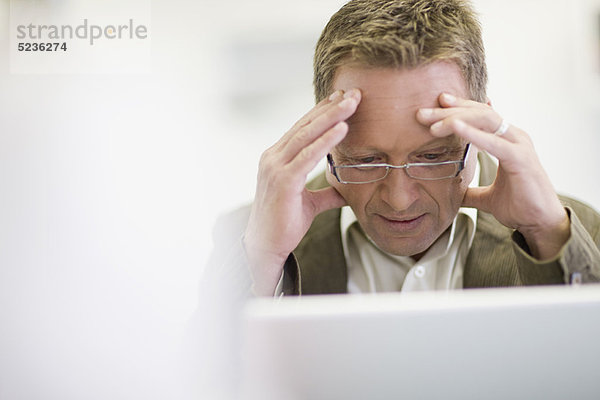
<point>386,116</point>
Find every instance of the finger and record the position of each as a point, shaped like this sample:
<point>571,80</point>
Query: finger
<point>335,97</point>
<point>308,158</point>
<point>486,120</point>
<point>429,116</point>
<point>479,116</point>
<point>449,100</point>
<point>324,105</point>
<point>477,197</point>
<point>309,133</point>
<point>326,199</point>
<point>495,145</point>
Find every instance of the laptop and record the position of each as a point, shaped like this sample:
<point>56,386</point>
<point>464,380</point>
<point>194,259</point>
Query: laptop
<point>513,343</point>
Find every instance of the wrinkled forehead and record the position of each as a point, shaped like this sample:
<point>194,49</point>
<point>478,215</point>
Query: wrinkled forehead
<point>386,116</point>
<point>420,85</point>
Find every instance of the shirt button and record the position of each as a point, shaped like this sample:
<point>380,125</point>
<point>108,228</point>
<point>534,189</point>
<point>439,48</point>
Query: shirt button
<point>420,271</point>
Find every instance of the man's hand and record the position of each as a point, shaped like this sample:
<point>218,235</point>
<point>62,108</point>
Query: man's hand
<point>522,196</point>
<point>283,208</point>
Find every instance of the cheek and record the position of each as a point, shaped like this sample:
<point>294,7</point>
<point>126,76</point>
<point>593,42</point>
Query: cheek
<point>357,196</point>
<point>448,199</point>
<point>454,197</point>
<point>353,195</point>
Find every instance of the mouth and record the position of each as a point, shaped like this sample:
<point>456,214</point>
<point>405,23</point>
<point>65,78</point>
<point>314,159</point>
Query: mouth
<point>402,224</point>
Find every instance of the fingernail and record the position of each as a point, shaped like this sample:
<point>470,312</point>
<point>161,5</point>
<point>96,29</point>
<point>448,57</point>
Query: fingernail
<point>448,98</point>
<point>350,93</point>
<point>335,95</point>
<point>425,112</point>
<point>437,126</point>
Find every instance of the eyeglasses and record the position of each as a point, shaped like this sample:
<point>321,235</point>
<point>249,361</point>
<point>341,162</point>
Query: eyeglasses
<point>367,173</point>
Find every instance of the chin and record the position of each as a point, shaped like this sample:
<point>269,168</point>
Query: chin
<point>403,242</point>
<point>411,246</point>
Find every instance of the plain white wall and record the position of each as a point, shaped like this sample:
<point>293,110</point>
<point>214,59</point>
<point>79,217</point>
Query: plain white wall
<point>110,184</point>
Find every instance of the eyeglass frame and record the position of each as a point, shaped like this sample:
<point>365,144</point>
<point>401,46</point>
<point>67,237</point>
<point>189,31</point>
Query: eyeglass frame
<point>461,166</point>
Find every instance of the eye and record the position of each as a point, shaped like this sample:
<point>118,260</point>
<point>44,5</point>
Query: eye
<point>360,158</point>
<point>366,160</point>
<point>432,156</point>
<point>438,155</point>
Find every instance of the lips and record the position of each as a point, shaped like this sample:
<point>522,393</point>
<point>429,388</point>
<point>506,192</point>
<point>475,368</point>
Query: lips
<point>404,224</point>
<point>405,219</point>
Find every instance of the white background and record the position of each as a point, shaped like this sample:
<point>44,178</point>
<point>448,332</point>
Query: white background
<point>110,183</point>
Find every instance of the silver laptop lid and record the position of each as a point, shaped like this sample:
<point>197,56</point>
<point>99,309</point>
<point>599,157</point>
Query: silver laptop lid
<point>539,343</point>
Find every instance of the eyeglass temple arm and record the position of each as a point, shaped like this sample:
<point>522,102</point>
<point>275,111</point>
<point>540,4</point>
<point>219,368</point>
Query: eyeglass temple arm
<point>332,166</point>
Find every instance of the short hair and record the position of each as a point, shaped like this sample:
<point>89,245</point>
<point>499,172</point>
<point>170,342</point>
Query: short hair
<point>402,34</point>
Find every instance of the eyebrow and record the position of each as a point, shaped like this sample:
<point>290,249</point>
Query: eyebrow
<point>345,150</point>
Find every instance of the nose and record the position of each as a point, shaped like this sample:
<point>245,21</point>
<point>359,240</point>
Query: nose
<point>399,190</point>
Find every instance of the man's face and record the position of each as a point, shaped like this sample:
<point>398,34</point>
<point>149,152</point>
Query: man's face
<point>402,215</point>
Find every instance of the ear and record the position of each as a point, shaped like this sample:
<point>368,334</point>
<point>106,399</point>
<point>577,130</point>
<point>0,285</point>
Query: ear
<point>488,101</point>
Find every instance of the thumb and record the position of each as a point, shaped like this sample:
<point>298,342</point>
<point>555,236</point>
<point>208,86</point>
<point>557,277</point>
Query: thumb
<point>326,199</point>
<point>477,197</point>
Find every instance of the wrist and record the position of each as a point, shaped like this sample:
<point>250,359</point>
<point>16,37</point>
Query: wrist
<point>547,239</point>
<point>265,268</point>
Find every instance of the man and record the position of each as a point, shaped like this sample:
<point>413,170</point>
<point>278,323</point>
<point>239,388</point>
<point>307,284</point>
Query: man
<point>411,199</point>
<point>405,124</point>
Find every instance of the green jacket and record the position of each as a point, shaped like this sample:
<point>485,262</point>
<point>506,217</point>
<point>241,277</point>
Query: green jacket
<point>499,256</point>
